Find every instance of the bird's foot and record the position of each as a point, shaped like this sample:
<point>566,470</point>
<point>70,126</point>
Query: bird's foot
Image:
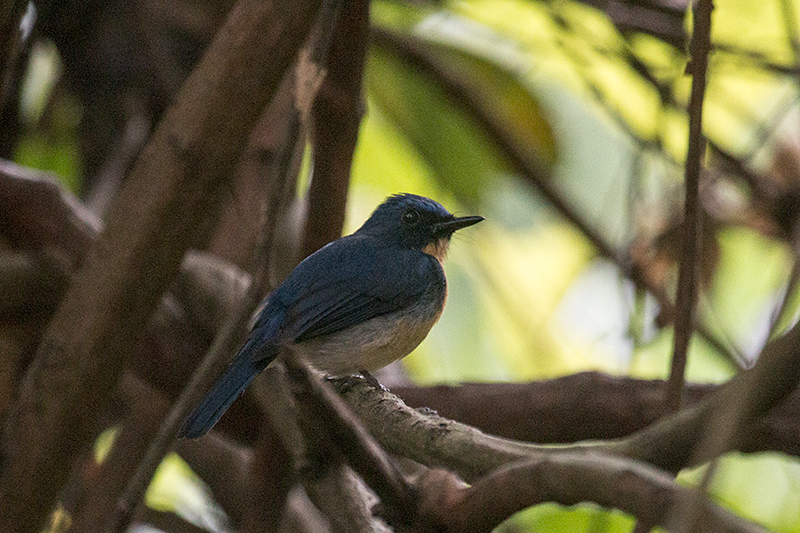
<point>344,383</point>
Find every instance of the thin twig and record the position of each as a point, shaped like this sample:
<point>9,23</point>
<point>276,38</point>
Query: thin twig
<point>687,270</point>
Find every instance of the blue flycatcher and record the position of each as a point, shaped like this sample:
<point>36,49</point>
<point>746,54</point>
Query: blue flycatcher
<point>357,304</point>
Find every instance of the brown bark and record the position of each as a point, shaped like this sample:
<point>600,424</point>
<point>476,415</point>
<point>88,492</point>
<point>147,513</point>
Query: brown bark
<point>168,205</point>
<point>336,114</point>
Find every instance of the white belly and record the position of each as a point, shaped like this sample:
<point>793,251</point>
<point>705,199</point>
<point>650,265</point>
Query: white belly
<point>368,346</point>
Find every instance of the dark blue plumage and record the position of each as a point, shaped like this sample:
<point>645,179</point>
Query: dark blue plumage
<point>358,303</point>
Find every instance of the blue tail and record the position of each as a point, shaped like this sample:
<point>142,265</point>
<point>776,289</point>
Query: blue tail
<point>228,387</point>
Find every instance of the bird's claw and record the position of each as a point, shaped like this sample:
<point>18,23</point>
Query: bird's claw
<point>344,383</point>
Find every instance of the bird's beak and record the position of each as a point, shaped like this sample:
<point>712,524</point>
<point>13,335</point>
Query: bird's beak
<point>456,223</point>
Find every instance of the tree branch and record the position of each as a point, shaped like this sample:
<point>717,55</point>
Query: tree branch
<point>588,406</point>
<point>336,113</point>
<point>332,420</point>
<point>38,213</point>
<point>685,301</point>
<point>168,204</point>
<point>568,479</point>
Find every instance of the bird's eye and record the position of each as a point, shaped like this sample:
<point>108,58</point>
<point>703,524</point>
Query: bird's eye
<point>411,217</point>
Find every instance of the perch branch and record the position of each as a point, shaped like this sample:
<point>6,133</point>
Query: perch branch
<point>670,443</point>
<point>333,418</point>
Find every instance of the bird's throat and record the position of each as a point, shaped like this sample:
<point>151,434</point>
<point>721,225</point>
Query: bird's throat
<point>438,249</point>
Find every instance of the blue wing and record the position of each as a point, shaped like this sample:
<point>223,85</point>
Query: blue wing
<point>351,281</point>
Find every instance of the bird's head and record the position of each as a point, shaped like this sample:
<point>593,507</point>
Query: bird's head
<point>416,222</point>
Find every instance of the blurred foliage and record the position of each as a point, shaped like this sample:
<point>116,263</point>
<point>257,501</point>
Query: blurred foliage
<point>50,123</point>
<point>600,113</point>
<point>772,488</point>
<point>175,488</point>
<point>605,114</point>
<point>548,518</point>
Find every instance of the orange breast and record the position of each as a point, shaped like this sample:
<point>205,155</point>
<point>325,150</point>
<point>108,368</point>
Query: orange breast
<point>438,249</point>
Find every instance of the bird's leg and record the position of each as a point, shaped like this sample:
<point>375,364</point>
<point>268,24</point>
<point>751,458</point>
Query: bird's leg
<point>372,381</point>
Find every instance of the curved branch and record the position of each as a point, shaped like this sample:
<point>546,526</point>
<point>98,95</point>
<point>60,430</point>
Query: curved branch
<point>588,406</point>
<point>568,479</point>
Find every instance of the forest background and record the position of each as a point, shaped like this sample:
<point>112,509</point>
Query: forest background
<point>134,132</point>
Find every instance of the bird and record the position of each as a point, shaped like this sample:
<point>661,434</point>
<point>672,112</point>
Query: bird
<point>355,305</point>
